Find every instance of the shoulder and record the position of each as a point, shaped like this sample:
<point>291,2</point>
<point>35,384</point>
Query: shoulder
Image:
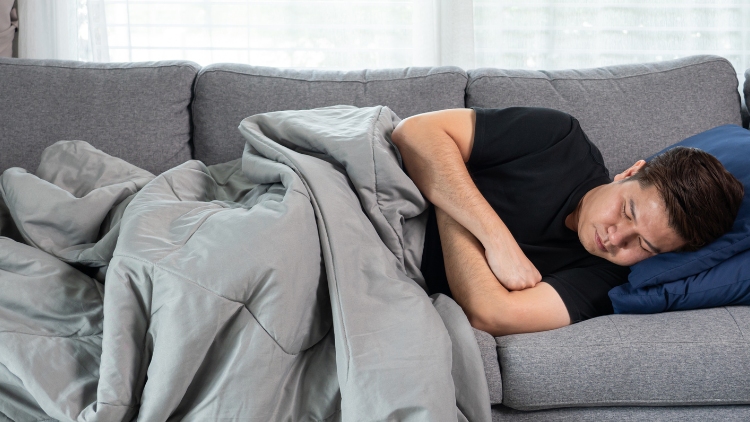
<point>425,128</point>
<point>503,135</point>
<point>525,116</point>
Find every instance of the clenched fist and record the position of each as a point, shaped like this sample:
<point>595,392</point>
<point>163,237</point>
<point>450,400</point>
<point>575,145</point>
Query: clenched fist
<point>511,266</point>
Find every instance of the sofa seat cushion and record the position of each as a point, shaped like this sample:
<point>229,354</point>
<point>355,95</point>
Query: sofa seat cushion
<point>139,112</point>
<point>227,93</point>
<point>629,111</point>
<point>697,357</point>
<point>738,413</point>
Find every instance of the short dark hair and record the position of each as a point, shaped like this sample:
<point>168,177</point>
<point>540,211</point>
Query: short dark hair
<point>701,196</point>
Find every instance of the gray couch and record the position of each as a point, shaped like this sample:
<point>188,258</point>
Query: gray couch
<point>692,365</point>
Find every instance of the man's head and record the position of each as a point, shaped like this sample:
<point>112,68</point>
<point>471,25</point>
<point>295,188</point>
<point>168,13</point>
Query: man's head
<point>680,200</point>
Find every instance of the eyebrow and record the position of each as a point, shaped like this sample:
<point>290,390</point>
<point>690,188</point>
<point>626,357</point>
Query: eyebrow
<point>632,211</point>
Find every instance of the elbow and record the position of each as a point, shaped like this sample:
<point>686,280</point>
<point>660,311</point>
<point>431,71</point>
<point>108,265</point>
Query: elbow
<point>498,317</point>
<point>484,321</point>
<point>476,321</point>
<point>400,135</point>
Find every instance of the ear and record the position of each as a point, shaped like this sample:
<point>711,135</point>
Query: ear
<point>635,168</point>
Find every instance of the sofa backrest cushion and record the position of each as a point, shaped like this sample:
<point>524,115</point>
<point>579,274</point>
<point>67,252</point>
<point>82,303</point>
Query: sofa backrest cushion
<point>227,93</point>
<point>628,111</point>
<point>138,112</point>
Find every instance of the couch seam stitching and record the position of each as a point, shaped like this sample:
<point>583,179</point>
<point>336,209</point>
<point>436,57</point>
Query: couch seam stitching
<point>307,80</point>
<point>616,327</point>
<point>735,322</point>
<point>537,346</point>
<point>571,404</point>
<point>598,79</point>
<point>97,68</point>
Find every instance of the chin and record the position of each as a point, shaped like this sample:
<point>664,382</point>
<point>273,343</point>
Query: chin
<point>623,264</point>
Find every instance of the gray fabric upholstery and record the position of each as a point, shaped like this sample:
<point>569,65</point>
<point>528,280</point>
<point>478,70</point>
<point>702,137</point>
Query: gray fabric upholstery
<point>138,112</point>
<point>697,357</point>
<point>627,414</point>
<point>488,349</point>
<point>227,93</point>
<point>629,111</point>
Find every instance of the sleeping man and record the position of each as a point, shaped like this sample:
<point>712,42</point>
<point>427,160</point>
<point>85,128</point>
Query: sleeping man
<point>528,233</point>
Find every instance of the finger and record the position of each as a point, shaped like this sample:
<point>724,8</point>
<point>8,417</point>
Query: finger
<point>515,286</point>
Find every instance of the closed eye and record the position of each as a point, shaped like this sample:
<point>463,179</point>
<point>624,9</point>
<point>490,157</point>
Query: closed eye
<point>639,239</point>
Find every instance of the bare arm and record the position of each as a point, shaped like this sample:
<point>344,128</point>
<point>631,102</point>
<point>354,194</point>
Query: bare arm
<point>435,147</point>
<point>488,305</point>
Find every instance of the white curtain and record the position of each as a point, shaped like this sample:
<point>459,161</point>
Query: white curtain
<point>337,34</point>
<point>7,28</point>
<point>345,34</point>
<point>62,29</point>
<point>564,34</point>
<point>443,33</point>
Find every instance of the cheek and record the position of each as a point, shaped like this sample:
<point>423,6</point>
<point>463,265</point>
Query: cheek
<point>612,214</point>
<point>586,237</point>
<point>601,216</point>
<point>632,257</point>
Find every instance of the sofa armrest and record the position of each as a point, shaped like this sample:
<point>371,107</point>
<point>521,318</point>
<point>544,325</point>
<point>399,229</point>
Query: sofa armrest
<point>488,349</point>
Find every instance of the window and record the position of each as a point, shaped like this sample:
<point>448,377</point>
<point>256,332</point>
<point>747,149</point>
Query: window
<point>345,34</point>
<point>538,34</point>
<point>284,33</point>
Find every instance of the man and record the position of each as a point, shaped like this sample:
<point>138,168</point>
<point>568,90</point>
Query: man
<point>528,233</point>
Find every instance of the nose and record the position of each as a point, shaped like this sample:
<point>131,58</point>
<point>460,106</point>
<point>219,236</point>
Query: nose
<point>619,235</point>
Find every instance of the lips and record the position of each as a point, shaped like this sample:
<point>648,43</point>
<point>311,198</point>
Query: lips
<point>599,242</point>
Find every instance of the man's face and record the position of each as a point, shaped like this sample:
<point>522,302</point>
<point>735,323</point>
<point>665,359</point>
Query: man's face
<point>624,223</point>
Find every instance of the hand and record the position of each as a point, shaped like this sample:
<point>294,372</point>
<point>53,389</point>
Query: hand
<point>511,266</point>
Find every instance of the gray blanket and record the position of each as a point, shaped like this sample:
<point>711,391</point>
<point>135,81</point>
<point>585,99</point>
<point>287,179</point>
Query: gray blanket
<point>283,285</point>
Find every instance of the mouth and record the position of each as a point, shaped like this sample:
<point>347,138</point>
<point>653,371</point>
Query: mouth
<point>599,242</point>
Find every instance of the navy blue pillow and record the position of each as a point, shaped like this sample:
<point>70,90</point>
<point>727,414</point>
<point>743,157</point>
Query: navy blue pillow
<point>725,284</point>
<point>716,275</point>
<point>730,144</point>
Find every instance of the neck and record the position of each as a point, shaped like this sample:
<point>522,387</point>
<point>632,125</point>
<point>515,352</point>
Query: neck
<point>571,221</point>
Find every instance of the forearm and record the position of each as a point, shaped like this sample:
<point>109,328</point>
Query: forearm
<point>488,305</point>
<point>436,166</point>
<point>435,147</point>
<point>472,283</point>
